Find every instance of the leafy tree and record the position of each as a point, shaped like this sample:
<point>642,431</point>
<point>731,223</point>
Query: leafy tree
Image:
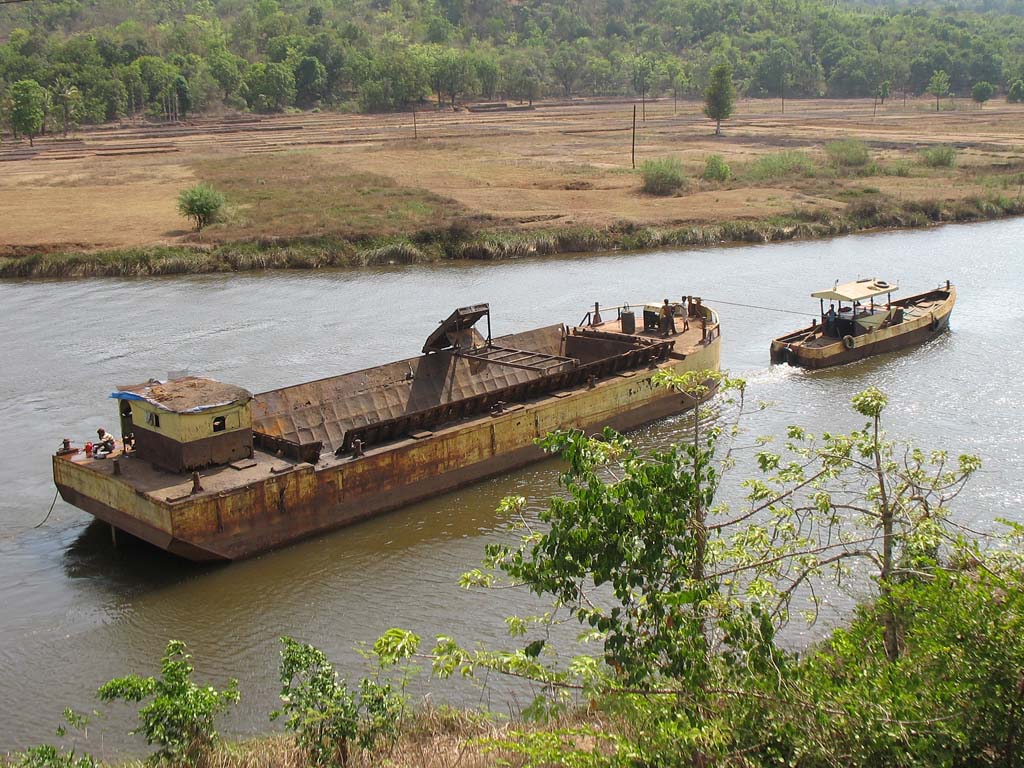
<point>523,78</point>
<point>315,16</point>
<point>269,87</point>
<point>179,717</point>
<point>566,66</point>
<point>883,91</point>
<point>685,592</point>
<point>982,92</point>
<point>68,99</point>
<point>487,71</point>
<point>327,718</point>
<point>200,203</point>
<point>394,77</point>
<point>182,96</point>
<point>1016,92</point>
<point>310,80</point>
<point>226,69</point>
<point>28,102</point>
<point>451,73</point>
<point>938,86</point>
<point>720,96</point>
<point>642,67</point>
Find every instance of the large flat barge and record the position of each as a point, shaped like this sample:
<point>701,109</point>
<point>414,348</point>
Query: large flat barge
<point>211,472</point>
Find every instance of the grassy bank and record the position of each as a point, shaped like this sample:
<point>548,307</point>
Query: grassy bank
<point>463,242</point>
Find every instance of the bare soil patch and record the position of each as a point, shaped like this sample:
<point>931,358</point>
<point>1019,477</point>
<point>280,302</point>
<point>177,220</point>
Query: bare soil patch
<point>566,164</point>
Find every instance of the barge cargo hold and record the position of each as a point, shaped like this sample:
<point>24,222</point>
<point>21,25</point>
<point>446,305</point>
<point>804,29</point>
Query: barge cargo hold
<point>213,473</point>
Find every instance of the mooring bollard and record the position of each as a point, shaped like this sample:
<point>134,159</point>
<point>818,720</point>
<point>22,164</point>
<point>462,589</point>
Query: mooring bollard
<point>117,466</point>
<point>196,486</point>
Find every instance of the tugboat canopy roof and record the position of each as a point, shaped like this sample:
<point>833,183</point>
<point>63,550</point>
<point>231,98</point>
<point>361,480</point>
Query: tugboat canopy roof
<point>857,290</point>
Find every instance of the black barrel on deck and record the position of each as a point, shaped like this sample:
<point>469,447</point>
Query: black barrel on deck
<point>628,320</point>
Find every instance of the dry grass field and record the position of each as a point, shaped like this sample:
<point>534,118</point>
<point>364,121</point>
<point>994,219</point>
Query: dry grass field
<point>363,176</point>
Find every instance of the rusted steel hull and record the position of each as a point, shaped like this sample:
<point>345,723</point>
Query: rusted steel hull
<point>788,349</point>
<point>288,501</point>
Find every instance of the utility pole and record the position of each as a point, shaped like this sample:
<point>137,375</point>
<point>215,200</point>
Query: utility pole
<point>634,137</point>
<point>415,130</point>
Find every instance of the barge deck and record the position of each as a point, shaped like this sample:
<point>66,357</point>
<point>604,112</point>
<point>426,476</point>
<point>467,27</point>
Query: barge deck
<point>233,475</point>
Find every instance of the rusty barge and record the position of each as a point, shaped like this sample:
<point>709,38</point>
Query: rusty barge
<point>210,472</point>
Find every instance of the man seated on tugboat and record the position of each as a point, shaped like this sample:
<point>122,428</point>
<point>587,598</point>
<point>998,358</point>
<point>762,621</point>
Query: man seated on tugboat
<point>830,320</point>
<point>104,443</point>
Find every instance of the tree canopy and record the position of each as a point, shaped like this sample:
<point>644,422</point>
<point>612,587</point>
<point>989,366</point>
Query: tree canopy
<point>720,97</point>
<point>141,58</point>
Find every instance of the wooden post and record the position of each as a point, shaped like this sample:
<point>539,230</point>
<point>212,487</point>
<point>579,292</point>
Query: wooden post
<point>634,137</point>
<point>415,130</point>
<point>643,103</point>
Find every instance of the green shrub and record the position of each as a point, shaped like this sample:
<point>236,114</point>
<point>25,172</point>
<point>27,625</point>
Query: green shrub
<point>942,156</point>
<point>179,718</point>
<point>901,169</point>
<point>327,718</point>
<point>663,176</point>
<point>716,169</point>
<point>848,153</point>
<point>1016,93</point>
<point>959,672</point>
<point>201,203</point>
<point>782,164</point>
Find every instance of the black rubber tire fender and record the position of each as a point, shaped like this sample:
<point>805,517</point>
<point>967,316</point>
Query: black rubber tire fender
<point>849,342</point>
<point>935,323</point>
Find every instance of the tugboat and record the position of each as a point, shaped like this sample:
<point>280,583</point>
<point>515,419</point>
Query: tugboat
<point>210,472</point>
<point>860,327</point>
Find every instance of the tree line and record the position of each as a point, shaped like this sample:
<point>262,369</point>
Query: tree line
<point>72,62</point>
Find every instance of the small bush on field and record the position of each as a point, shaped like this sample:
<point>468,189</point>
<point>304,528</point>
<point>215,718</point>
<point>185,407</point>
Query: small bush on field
<point>716,169</point>
<point>901,169</point>
<point>781,164</point>
<point>201,203</point>
<point>663,176</point>
<point>179,718</point>
<point>848,153</point>
<point>943,156</point>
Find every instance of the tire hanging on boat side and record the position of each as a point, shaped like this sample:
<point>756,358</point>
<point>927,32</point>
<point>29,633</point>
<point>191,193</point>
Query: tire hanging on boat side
<point>849,342</point>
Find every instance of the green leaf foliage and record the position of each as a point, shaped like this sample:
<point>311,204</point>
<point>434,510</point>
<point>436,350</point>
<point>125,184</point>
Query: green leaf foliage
<point>663,176</point>
<point>720,96</point>
<point>716,169</point>
<point>330,721</point>
<point>179,716</point>
<point>201,203</point>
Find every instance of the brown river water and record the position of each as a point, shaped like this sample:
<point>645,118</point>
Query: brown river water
<point>75,612</point>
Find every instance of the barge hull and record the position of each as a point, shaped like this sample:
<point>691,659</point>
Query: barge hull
<point>293,501</point>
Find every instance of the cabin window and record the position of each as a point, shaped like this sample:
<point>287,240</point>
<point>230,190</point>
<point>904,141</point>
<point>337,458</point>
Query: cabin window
<point>218,424</point>
<point>153,419</point>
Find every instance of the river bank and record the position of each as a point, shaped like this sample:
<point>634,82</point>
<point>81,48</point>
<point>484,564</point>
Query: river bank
<point>463,243</point>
